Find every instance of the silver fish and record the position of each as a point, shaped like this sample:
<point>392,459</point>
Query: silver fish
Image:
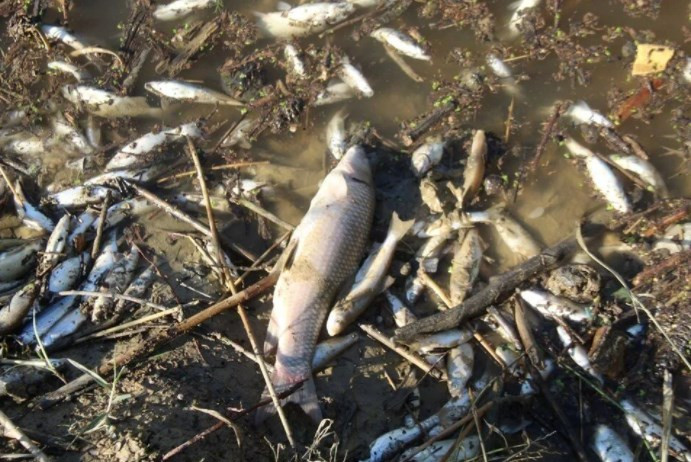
<point>67,273</point>
<point>604,179</point>
<point>511,232</point>
<point>336,135</point>
<point>295,64</point>
<point>352,77</point>
<point>117,280</point>
<point>427,156</point>
<point>18,261</point>
<point>552,306</point>
<point>61,34</point>
<point>180,8</point>
<point>190,92</point>
<point>335,92</point>
<point>93,131</point>
<point>54,247</point>
<point>30,215</point>
<point>645,171</point>
<point>83,195</point>
<point>474,171</point>
<point>609,446</point>
<point>326,351</point>
<point>64,131</point>
<point>69,68</point>
<point>577,353</point>
<point>105,104</point>
<point>402,315</point>
<point>369,281</point>
<point>468,449</point>
<point>510,358</point>
<point>506,328</point>
<point>459,368</point>
<point>676,238</point>
<point>581,113</point>
<point>12,315</point>
<point>137,288</point>
<point>646,427</point>
<point>503,72</point>
<point>519,8</point>
<point>303,19</point>
<point>465,265</point>
<point>48,317</point>
<point>400,42</point>
<point>441,340</point>
<point>342,209</point>
<point>81,225</point>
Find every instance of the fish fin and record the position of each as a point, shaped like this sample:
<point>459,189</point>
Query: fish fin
<point>271,341</point>
<point>283,6</point>
<point>305,397</point>
<point>398,227</point>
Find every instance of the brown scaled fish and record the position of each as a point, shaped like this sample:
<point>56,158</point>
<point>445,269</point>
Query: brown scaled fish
<point>329,243</point>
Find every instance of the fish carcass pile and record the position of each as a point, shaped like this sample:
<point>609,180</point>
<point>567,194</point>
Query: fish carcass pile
<point>394,250</point>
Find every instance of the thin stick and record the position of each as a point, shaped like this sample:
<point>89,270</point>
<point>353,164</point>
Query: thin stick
<point>232,166</point>
<point>127,298</point>
<point>410,356</point>
<point>488,348</point>
<point>10,430</point>
<point>407,70</point>
<point>556,113</point>
<point>97,50</point>
<point>478,428</point>
<point>96,246</point>
<point>429,282</point>
<point>262,257</point>
<point>9,183</point>
<point>127,325</point>
<point>263,212</point>
<point>509,122</point>
<point>176,212</point>
<point>225,272</point>
<point>667,406</point>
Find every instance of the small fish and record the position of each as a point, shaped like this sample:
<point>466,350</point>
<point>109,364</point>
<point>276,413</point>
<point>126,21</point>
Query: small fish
<point>181,8</point>
<point>441,340</point>
<point>467,449</point>
<point>117,280</point>
<point>499,67</point>
<point>293,61</point>
<point>69,68</point>
<point>81,225</point>
<point>519,8</point>
<point>93,131</point>
<point>325,352</point>
<point>369,280</point>
<point>427,156</point>
<point>335,92</point>
<point>116,213</point>
<point>578,354</point>
<point>109,105</point>
<point>465,265</point>
<point>459,368</point>
<point>474,171</point>
<point>552,306</point>
<point>12,315</point>
<point>413,288</point>
<point>510,358</point>
<point>507,329</point>
<point>511,232</point>
<point>342,210</point>
<point>18,261</point>
<point>47,318</point>
<point>242,134</point>
<point>29,214</point>
<point>604,179</point>
<point>131,153</point>
<point>65,132</point>
<point>646,427</point>
<point>66,275</point>
<point>190,92</point>
<point>581,113</point>
<point>432,249</point>
<point>24,144</point>
<point>61,34</point>
<point>303,19</point>
<point>676,239</point>
<point>609,446</point>
<point>402,315</point>
<point>54,247</point>
<point>645,171</point>
<point>400,42</point>
<point>81,196</point>
<point>137,289</point>
<point>352,77</point>
<point>336,135</point>
<point>429,193</point>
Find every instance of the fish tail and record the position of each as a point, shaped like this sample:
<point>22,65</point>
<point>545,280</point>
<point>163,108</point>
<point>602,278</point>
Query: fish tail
<point>398,228</point>
<point>305,397</point>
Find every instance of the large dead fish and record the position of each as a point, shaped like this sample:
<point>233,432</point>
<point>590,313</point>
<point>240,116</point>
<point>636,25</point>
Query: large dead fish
<point>329,243</point>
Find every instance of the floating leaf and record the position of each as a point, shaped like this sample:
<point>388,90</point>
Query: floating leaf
<point>651,58</point>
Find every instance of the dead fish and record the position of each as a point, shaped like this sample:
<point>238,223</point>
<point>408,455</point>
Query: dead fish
<point>578,354</point>
<point>465,265</point>
<point>303,19</point>
<point>581,113</point>
<point>181,8</point>
<point>20,381</point>
<point>506,328</point>
<point>47,318</point>
<point>441,340</point>
<point>142,175</point>
<point>63,131</point>
<point>93,131</point>
<point>137,289</point>
<point>427,156</point>
<point>190,92</point>
<point>69,68</point>
<point>519,8</point>
<point>336,134</point>
<point>54,247</point>
<point>552,306</point>
<point>609,446</point>
<point>352,77</point>
<point>511,232</point>
<point>414,287</point>
<point>645,171</point>
<point>504,73</point>
<point>459,368</point>
<point>242,134</point>
<point>369,280</point>
<point>117,280</point>
<point>342,209</point>
<point>12,315</point>
<point>335,92</point>
<point>66,275</point>
<point>131,153</point>
<point>18,261</point>
<point>24,144</point>
<point>81,225</point>
<point>467,449</point>
<point>29,214</point>
<point>81,196</point>
<point>429,193</point>
<point>109,105</point>
<point>402,315</point>
<point>474,171</point>
<point>646,427</point>
<point>329,349</point>
<point>676,239</point>
<point>61,34</point>
<point>294,63</point>
<point>604,179</point>
<point>510,358</point>
<point>400,42</point>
